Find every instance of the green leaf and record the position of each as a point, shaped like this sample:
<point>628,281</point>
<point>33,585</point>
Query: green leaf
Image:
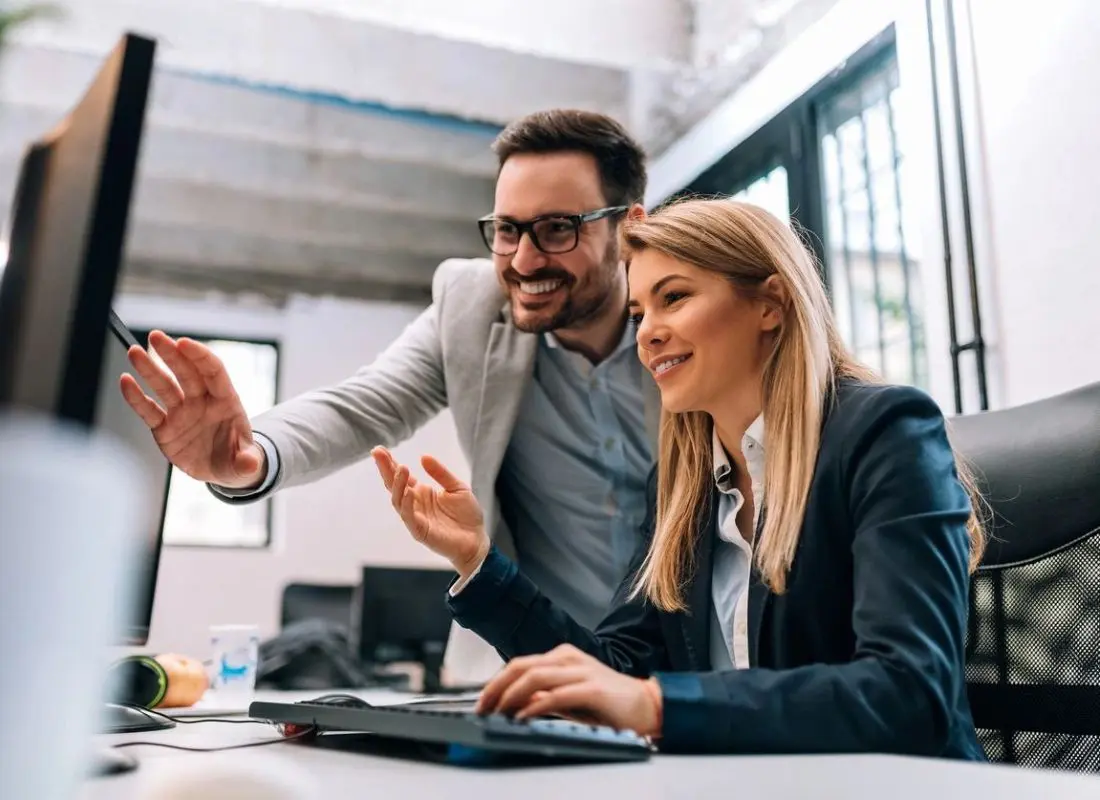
<point>9,18</point>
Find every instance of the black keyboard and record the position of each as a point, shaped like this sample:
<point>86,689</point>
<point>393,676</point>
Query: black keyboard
<point>462,734</point>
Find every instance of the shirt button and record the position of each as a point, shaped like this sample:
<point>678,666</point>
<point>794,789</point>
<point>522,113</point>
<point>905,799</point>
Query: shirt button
<point>608,443</point>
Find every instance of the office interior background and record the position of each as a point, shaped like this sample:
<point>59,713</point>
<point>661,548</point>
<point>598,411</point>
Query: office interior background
<point>308,163</point>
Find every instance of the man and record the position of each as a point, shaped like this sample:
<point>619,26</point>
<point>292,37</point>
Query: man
<point>531,352</point>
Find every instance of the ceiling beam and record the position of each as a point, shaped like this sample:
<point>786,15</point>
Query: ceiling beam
<point>203,208</point>
<point>230,251</point>
<point>38,86</point>
<point>263,169</point>
<point>168,280</point>
<point>298,49</point>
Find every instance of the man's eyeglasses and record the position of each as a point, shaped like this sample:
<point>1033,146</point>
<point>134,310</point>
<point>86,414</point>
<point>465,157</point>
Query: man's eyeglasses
<point>552,233</point>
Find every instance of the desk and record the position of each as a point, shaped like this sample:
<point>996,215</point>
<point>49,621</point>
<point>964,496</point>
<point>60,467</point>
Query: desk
<point>338,774</point>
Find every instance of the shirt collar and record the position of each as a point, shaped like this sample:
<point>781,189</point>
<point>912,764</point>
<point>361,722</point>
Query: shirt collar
<point>722,467</point>
<point>626,342</point>
<point>579,361</point>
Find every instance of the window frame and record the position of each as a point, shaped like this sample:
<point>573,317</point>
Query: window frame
<point>790,139</point>
<point>872,68</point>
<point>142,335</point>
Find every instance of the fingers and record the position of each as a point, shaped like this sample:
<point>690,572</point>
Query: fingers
<point>160,380</point>
<point>145,407</point>
<point>403,499</point>
<point>397,487</point>
<point>539,679</point>
<point>208,366</point>
<point>188,377</point>
<point>387,468</point>
<point>571,699</point>
<point>441,475</point>
<point>491,693</point>
<point>563,655</point>
<point>247,462</point>
<point>416,523</point>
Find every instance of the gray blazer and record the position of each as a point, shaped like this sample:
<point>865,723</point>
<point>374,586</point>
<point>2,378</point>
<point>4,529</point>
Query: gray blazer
<point>462,352</point>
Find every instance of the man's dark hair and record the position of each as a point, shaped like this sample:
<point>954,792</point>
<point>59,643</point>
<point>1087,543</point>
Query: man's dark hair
<point>619,158</point>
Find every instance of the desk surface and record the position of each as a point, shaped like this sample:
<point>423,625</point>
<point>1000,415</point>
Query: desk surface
<point>308,771</point>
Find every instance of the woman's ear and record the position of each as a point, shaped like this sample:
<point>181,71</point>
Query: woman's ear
<point>776,302</point>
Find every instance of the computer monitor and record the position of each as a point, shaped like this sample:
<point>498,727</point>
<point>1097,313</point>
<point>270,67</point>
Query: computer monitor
<point>67,235</point>
<point>60,351</point>
<point>401,615</point>
<point>116,417</point>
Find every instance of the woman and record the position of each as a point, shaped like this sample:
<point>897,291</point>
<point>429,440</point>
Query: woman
<point>803,583</point>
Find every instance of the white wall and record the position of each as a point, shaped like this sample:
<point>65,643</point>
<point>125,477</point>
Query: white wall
<point>323,532</point>
<point>1031,110</point>
<point>1037,80</point>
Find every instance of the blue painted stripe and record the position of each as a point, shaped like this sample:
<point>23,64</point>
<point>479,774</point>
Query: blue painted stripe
<point>449,122</point>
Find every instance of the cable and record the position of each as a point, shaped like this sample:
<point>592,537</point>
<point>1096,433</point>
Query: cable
<point>194,720</point>
<point>288,738</point>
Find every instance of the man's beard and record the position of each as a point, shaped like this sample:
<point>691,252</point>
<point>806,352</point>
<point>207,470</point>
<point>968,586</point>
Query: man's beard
<point>584,301</point>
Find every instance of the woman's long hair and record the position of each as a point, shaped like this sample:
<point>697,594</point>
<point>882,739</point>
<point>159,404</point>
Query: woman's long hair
<point>748,245</point>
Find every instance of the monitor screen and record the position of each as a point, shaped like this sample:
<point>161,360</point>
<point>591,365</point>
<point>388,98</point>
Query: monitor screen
<point>60,351</point>
<point>69,218</point>
<point>399,613</point>
<point>117,418</point>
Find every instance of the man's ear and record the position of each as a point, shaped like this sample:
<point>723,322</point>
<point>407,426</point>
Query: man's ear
<point>776,302</point>
<point>636,211</point>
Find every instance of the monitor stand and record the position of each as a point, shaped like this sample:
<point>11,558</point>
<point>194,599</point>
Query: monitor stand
<point>129,719</point>
<point>122,719</point>
<point>432,661</point>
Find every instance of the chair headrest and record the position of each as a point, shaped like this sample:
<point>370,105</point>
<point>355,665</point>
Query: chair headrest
<point>1038,467</point>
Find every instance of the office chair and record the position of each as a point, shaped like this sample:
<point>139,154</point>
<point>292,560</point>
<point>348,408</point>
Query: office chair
<point>1033,642</point>
<point>302,601</point>
<point>313,649</point>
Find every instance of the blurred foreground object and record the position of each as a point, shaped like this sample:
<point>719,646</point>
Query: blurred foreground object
<point>71,507</point>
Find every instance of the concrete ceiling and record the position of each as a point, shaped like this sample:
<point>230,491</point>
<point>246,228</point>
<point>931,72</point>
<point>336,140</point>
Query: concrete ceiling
<point>341,146</point>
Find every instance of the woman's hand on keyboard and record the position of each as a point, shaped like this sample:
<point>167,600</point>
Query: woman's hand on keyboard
<point>570,683</point>
<point>448,519</point>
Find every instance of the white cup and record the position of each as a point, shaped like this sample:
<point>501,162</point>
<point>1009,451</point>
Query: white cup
<point>235,662</point>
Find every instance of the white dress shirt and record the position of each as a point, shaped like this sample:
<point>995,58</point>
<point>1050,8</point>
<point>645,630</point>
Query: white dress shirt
<point>732,562</point>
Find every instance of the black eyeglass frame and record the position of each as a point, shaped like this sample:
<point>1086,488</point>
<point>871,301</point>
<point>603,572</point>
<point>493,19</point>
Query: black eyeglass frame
<point>484,225</point>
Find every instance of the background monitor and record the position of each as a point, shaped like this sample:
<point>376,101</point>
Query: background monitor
<point>401,615</point>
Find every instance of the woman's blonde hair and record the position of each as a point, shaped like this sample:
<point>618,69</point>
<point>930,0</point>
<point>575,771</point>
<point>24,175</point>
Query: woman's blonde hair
<point>748,245</point>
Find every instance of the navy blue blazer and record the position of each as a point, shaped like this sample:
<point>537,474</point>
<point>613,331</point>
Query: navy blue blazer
<point>864,650</point>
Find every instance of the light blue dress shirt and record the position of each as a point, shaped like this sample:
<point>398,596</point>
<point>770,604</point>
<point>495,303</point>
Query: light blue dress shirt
<point>572,483</point>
